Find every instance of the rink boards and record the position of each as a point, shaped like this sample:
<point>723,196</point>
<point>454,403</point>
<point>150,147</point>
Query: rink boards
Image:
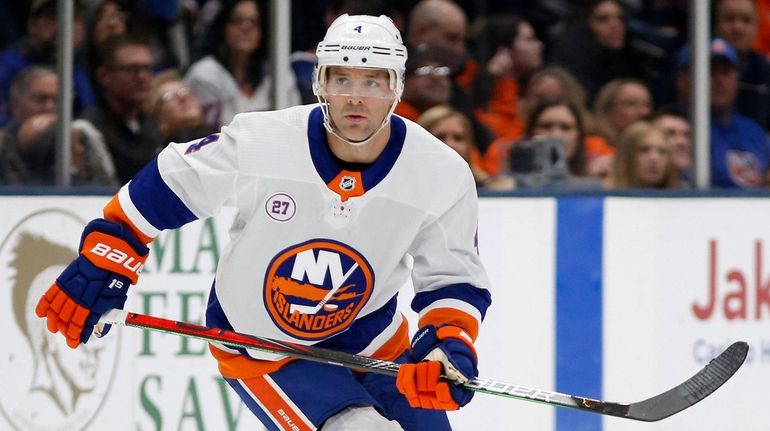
<point>616,298</point>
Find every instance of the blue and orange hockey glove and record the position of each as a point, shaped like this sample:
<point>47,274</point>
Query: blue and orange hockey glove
<point>96,281</point>
<point>447,358</point>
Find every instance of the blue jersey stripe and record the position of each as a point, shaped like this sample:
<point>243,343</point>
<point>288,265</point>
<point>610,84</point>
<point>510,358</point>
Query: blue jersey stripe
<point>479,298</point>
<point>155,201</point>
<point>579,307</point>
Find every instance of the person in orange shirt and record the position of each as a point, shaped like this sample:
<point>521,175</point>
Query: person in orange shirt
<point>762,39</point>
<point>428,80</point>
<point>515,53</point>
<point>444,23</point>
<point>552,118</point>
<point>554,82</point>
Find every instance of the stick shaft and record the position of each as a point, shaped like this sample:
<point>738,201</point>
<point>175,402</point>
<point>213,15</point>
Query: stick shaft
<point>658,407</point>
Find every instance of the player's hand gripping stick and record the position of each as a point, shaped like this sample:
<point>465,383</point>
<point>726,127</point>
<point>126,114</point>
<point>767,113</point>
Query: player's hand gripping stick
<point>447,358</point>
<point>96,281</point>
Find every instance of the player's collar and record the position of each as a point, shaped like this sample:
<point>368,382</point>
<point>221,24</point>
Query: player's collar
<point>328,169</point>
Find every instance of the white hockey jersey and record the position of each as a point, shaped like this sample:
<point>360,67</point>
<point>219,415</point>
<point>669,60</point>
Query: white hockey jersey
<point>317,253</point>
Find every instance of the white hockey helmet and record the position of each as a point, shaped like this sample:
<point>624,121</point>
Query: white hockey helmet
<point>362,41</point>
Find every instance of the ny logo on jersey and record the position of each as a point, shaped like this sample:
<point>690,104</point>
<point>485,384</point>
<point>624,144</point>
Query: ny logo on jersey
<point>316,289</point>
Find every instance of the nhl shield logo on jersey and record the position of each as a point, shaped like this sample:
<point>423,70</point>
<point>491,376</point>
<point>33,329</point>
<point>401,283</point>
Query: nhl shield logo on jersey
<point>347,183</point>
<point>316,289</point>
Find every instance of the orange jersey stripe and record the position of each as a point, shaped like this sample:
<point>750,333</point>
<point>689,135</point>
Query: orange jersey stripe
<point>396,345</point>
<point>451,316</point>
<point>276,406</point>
<point>236,366</point>
<point>114,212</point>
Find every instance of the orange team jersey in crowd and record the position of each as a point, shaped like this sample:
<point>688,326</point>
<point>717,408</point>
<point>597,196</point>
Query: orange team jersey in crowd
<point>762,40</point>
<point>501,115</point>
<point>496,160</point>
<point>467,75</point>
<point>406,110</point>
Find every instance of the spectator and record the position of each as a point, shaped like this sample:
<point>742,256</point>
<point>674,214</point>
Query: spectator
<point>454,129</point>
<point>551,118</point>
<point>124,73</point>
<point>511,53</point>
<point>643,160</point>
<point>594,46</point>
<point>32,92</point>
<point>107,20</point>
<point>439,22</point>
<point>39,47</point>
<point>234,76</point>
<point>428,80</point>
<point>176,110</point>
<point>554,82</point>
<point>620,103</point>
<point>736,22</point>
<point>740,151</point>
<point>29,139</point>
<point>91,163</point>
<point>550,83</point>
<point>163,24</point>
<point>443,23</point>
<point>676,127</point>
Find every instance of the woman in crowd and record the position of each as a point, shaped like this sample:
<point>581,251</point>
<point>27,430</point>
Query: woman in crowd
<point>454,129</point>
<point>557,117</point>
<point>511,52</point>
<point>620,103</point>
<point>176,110</point>
<point>643,160</point>
<point>594,45</point>
<point>234,76</point>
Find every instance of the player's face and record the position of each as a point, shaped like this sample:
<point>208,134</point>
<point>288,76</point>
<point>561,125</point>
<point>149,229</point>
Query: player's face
<point>359,99</point>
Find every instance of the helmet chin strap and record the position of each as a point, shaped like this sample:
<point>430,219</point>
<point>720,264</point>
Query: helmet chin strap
<point>329,126</point>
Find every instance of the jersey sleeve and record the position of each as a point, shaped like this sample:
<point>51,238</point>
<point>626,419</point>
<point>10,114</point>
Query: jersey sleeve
<point>450,282</point>
<point>185,182</point>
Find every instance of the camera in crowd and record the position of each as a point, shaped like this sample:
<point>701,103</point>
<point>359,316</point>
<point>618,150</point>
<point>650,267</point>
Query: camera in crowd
<point>538,162</point>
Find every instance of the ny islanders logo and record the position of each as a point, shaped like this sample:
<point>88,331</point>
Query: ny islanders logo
<point>316,289</point>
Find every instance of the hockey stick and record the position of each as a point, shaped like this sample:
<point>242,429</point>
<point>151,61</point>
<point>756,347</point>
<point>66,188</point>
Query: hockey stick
<point>661,406</point>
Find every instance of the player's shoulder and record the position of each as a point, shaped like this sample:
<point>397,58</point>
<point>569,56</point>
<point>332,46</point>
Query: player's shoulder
<point>429,151</point>
<point>286,120</point>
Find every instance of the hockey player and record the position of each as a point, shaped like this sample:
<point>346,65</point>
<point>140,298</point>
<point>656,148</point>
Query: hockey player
<point>338,205</point>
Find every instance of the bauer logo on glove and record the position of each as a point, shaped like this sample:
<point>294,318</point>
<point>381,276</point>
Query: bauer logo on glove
<point>96,281</point>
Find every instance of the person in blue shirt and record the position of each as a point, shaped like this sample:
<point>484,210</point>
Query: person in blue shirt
<point>39,48</point>
<point>740,150</point>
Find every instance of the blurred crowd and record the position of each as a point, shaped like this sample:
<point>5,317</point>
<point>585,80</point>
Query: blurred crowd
<point>548,94</point>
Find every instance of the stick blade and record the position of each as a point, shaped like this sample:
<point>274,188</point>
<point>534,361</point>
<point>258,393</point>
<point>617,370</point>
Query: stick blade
<point>696,388</point>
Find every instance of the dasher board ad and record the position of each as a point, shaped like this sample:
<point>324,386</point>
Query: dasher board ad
<point>617,299</point>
